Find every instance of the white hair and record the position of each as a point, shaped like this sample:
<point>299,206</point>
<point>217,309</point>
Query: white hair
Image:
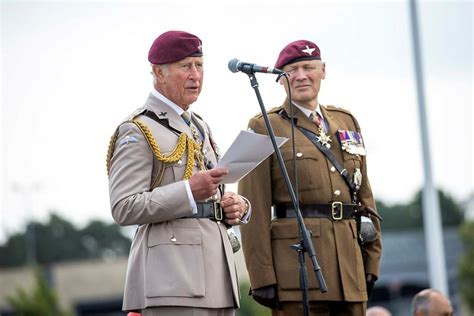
<point>164,69</point>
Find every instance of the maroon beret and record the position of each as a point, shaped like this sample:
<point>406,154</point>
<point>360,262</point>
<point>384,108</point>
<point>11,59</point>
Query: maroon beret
<point>172,46</point>
<point>297,51</point>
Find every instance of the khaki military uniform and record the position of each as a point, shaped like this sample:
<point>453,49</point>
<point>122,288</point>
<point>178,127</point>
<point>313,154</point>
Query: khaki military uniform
<point>174,260</point>
<point>266,242</point>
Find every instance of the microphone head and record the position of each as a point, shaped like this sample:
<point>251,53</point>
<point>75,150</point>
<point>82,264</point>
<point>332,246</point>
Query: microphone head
<point>234,65</point>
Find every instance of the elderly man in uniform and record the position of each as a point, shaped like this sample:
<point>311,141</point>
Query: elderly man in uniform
<point>161,177</point>
<point>333,191</point>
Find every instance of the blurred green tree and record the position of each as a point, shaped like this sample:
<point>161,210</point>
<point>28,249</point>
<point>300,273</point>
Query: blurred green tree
<point>248,307</point>
<point>42,301</point>
<point>466,264</point>
<point>58,240</point>
<point>406,216</point>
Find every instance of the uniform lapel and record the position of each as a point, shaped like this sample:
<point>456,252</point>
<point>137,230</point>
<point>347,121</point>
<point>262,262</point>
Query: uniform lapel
<point>330,121</point>
<point>163,111</point>
<point>301,119</point>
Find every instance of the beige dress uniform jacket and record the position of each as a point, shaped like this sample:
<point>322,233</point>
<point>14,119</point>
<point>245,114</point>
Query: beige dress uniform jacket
<point>173,260</point>
<point>266,242</point>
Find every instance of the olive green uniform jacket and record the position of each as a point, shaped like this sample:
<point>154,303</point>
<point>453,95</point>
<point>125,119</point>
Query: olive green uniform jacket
<point>266,242</point>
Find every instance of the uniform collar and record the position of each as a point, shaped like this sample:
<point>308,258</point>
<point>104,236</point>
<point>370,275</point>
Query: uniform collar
<point>167,110</point>
<point>301,118</point>
<point>308,112</point>
<point>168,102</point>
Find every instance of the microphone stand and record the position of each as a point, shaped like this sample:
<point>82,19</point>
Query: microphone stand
<point>305,244</point>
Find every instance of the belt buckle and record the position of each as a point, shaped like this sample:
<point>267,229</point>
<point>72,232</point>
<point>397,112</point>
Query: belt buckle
<point>217,211</point>
<point>334,207</point>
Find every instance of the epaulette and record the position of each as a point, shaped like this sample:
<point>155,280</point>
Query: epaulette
<point>271,111</point>
<point>336,108</point>
<point>345,111</point>
<point>135,113</point>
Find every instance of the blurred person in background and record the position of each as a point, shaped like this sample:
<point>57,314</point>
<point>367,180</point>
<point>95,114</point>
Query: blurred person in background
<point>430,302</point>
<point>378,311</point>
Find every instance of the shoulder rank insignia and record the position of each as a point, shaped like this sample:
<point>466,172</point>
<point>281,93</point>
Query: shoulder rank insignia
<point>351,142</point>
<point>162,113</point>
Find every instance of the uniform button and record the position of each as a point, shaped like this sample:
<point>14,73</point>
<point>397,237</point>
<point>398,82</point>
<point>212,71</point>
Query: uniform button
<point>299,155</point>
<point>204,151</point>
<point>179,162</point>
<point>333,169</point>
<point>173,239</point>
<point>337,193</point>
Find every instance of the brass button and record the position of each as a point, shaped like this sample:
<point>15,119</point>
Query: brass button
<point>333,169</point>
<point>179,162</point>
<point>337,193</point>
<point>299,155</point>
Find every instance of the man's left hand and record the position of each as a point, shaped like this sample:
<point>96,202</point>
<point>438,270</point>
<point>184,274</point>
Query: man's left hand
<point>234,208</point>
<point>370,282</point>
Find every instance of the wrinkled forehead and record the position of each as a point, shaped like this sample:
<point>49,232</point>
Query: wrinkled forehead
<point>303,63</point>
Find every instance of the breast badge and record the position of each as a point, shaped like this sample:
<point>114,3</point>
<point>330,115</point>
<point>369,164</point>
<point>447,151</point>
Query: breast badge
<point>351,142</point>
<point>324,138</point>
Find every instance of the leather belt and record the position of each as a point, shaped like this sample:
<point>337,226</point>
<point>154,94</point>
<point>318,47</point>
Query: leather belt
<point>335,210</point>
<point>211,210</point>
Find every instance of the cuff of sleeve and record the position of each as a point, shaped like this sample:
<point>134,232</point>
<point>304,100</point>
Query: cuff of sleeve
<point>190,196</point>
<point>248,212</point>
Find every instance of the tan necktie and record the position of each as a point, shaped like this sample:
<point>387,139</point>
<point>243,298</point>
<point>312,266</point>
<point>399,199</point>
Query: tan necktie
<point>316,118</point>
<point>323,137</point>
<point>196,135</point>
<point>186,117</point>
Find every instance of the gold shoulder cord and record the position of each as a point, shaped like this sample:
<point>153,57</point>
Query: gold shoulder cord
<point>193,150</point>
<point>111,149</point>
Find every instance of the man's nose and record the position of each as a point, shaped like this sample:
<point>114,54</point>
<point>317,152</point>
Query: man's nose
<point>299,74</point>
<point>194,72</point>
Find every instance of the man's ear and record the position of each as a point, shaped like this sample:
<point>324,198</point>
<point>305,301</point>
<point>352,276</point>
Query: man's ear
<point>158,73</point>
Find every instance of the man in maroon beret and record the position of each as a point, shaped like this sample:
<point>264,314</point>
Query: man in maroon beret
<point>333,191</point>
<point>161,178</point>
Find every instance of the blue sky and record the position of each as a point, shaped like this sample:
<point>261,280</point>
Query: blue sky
<point>71,71</point>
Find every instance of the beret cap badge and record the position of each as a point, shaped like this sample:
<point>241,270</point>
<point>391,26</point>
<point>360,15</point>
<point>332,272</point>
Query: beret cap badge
<point>297,51</point>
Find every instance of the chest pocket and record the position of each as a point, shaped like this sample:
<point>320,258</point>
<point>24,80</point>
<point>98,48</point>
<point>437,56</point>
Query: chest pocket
<point>351,162</point>
<point>308,163</point>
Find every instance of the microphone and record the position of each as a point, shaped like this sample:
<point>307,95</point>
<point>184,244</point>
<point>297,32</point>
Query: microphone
<point>248,68</point>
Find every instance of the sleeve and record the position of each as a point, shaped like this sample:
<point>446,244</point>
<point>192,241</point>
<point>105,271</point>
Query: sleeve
<point>256,239</point>
<point>372,252</point>
<point>132,201</point>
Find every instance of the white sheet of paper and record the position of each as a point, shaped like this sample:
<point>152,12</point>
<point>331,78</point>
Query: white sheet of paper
<point>247,151</point>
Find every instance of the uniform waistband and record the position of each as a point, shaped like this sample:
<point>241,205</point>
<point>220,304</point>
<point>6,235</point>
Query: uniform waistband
<point>210,209</point>
<point>335,210</point>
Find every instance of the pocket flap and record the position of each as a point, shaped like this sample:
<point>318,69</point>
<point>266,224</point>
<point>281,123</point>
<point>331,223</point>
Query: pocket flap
<point>288,228</point>
<point>174,236</point>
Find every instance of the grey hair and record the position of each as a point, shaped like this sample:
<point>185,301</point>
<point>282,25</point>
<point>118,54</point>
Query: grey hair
<point>421,301</point>
<point>164,69</point>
